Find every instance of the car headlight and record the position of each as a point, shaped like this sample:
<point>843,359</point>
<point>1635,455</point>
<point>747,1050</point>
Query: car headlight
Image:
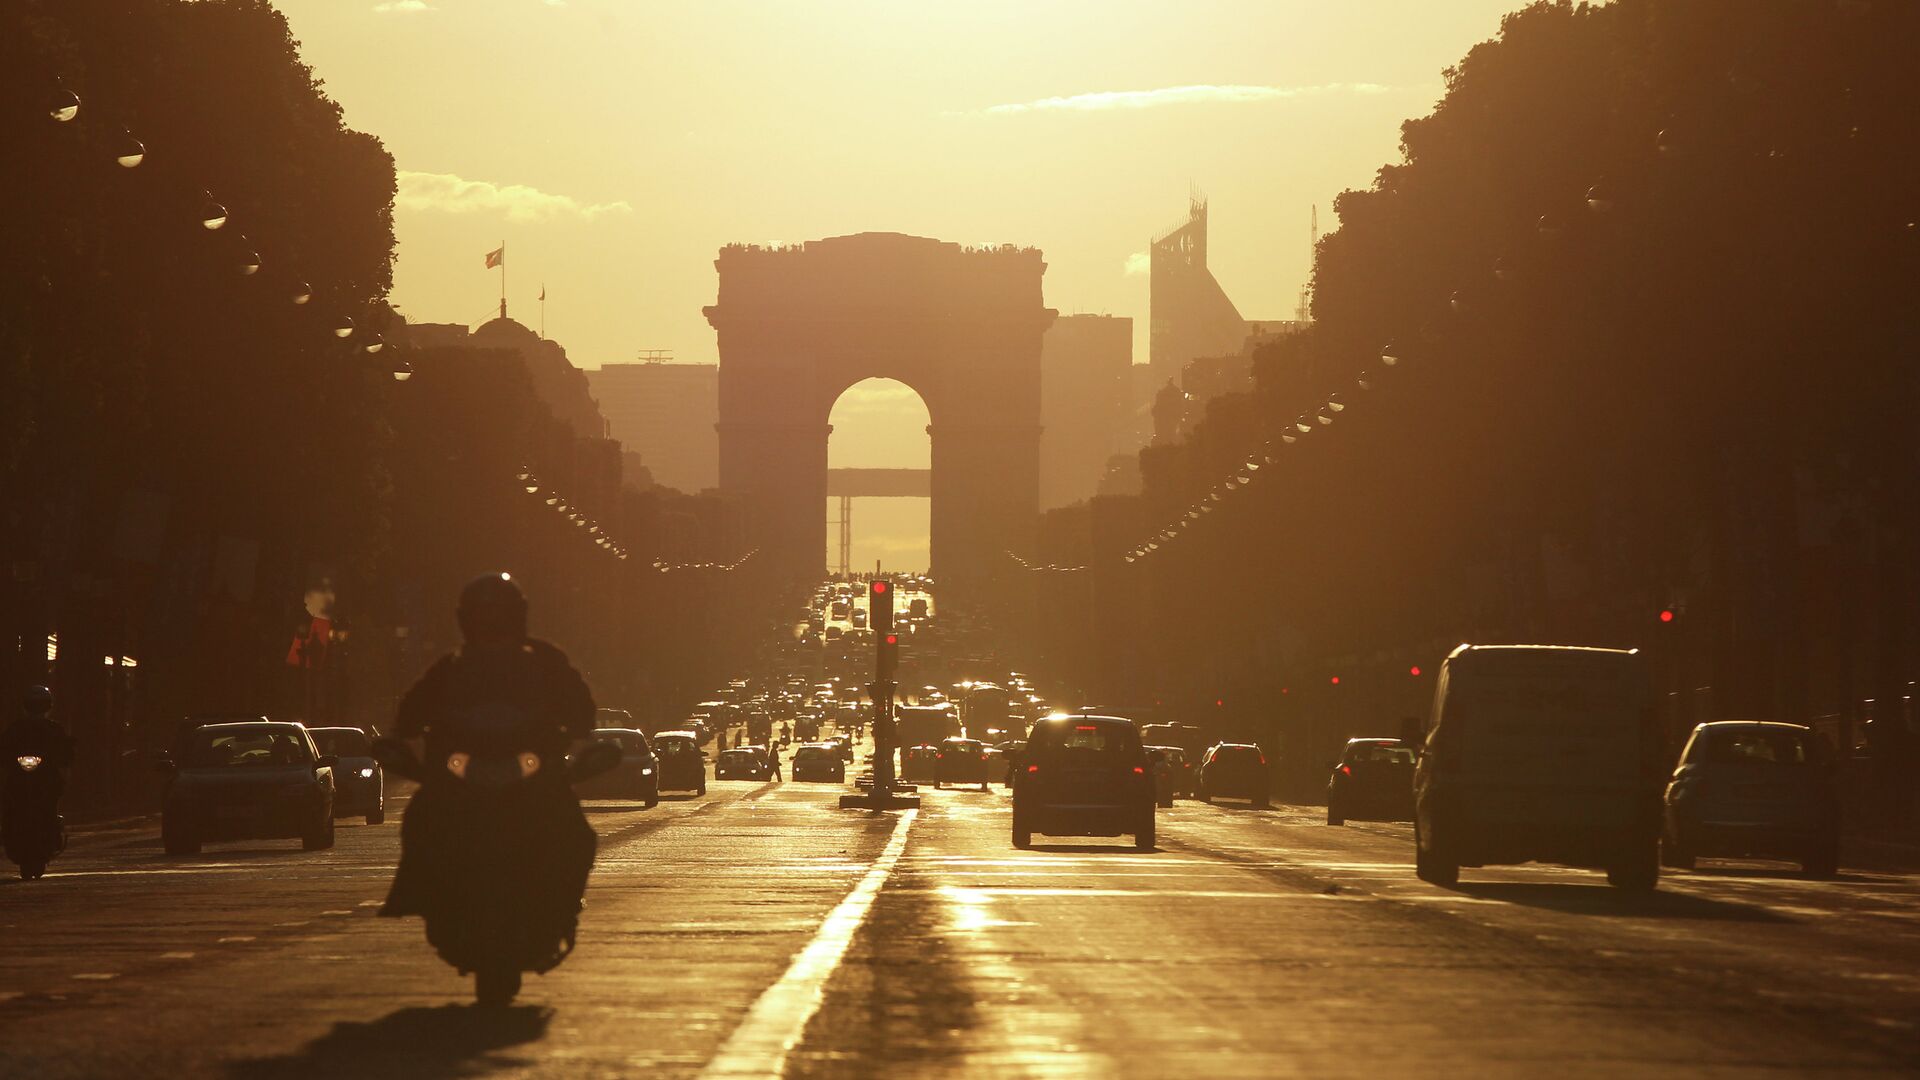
<point>366,774</point>
<point>457,763</point>
<point>28,762</point>
<point>529,764</point>
<point>646,772</point>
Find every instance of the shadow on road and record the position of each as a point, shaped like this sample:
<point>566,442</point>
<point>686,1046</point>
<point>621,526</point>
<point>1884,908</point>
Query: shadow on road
<point>419,1043</point>
<point>1090,849</point>
<point>1607,900</point>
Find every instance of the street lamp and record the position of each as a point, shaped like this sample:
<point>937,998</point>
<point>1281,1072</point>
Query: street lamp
<point>63,105</point>
<point>375,344</point>
<point>402,370</point>
<point>249,259</point>
<point>1600,197</point>
<point>131,152</point>
<point>302,292</point>
<point>343,327</point>
<point>212,214</point>
<point>1389,355</point>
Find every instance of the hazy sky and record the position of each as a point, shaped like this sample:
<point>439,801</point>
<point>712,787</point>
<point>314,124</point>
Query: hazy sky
<point>616,145</point>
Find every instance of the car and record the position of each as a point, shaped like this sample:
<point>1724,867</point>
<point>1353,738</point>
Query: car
<point>961,761</point>
<point>841,746</point>
<point>681,764</point>
<point>918,763</point>
<point>1372,781</point>
<point>636,777</point>
<point>1167,766</point>
<point>742,763</point>
<point>1009,752</point>
<point>1753,787</point>
<point>819,762</point>
<point>1178,769</point>
<point>1234,771</point>
<point>1541,753</point>
<point>359,783</point>
<point>257,780</point>
<point>1083,776</point>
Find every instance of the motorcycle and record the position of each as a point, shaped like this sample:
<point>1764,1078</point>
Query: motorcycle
<point>35,831</point>
<point>495,874</point>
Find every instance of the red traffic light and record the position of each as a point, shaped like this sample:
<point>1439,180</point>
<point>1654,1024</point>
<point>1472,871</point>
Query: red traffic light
<point>1667,615</point>
<point>1414,670</point>
<point>879,586</point>
<point>893,639</point>
<point>1336,680</point>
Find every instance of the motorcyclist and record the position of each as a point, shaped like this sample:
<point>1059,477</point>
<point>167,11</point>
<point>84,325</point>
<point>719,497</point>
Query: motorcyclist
<point>35,732</point>
<point>32,798</point>
<point>497,666</point>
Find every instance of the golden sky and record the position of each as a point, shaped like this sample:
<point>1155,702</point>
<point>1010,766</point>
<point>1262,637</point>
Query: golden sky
<point>616,145</point>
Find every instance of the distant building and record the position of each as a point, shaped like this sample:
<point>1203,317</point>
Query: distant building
<point>666,412</point>
<point>1191,315</point>
<point>560,386</point>
<point>1086,364</point>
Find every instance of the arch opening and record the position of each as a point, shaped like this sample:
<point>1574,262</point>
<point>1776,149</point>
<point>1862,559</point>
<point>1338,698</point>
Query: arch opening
<point>878,424</point>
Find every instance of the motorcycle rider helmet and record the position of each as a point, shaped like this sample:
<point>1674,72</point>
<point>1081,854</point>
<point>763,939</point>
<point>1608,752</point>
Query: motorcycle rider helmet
<point>492,606</point>
<point>38,700</point>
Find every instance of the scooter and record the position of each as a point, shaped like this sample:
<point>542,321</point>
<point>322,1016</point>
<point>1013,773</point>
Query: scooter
<point>504,886</point>
<point>34,831</point>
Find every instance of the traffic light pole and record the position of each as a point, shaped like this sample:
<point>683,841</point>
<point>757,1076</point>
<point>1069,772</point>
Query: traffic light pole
<point>886,657</point>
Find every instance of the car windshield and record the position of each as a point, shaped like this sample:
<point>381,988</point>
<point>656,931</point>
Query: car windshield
<point>741,755</point>
<point>224,749</point>
<point>626,740</point>
<point>1237,755</point>
<point>1081,736</point>
<point>1380,752</point>
<point>342,742</point>
<point>809,753</point>
<point>1755,746</point>
<point>674,746</point>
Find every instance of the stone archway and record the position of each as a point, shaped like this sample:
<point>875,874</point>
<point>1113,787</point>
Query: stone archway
<point>797,325</point>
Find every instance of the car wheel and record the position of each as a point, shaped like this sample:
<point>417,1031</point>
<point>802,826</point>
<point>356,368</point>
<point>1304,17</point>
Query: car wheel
<point>1166,803</point>
<point>1637,873</point>
<point>495,988</point>
<point>1261,802</point>
<point>1823,861</point>
<point>701,789</point>
<point>178,841</point>
<point>377,817</point>
<point>1431,868</point>
<point>1335,817</point>
<point>1674,855</point>
<point>652,800</point>
<point>1022,837</point>
<point>320,839</point>
<point>1144,839</point>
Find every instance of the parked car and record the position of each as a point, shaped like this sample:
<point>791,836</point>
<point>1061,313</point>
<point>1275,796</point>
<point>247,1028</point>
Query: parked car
<point>917,763</point>
<point>1083,776</point>
<point>1235,771</point>
<point>681,764</point>
<point>247,781</point>
<point>636,777</point>
<point>359,784</point>
<point>960,761</point>
<point>819,762</point>
<point>1753,787</point>
<point>742,763</point>
<point>1372,781</point>
<point>1540,753</point>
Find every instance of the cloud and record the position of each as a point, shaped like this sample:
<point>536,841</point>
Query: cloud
<point>1107,100</point>
<point>1139,263</point>
<point>401,7</point>
<point>450,194</point>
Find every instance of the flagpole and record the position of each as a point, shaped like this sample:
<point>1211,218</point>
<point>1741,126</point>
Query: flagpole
<point>543,311</point>
<point>503,279</point>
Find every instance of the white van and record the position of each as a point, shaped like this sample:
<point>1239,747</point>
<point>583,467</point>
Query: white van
<point>1541,753</point>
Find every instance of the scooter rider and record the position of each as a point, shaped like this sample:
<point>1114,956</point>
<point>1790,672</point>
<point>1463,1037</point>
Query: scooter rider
<point>36,733</point>
<point>497,666</point>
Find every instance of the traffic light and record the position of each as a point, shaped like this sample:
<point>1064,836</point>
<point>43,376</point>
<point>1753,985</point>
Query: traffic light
<point>886,642</point>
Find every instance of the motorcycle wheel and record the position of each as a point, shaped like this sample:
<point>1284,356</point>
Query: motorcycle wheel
<point>31,870</point>
<point>495,988</point>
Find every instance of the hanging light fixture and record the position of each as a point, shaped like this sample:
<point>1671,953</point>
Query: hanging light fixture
<point>343,327</point>
<point>301,293</point>
<point>212,214</point>
<point>63,105</point>
<point>402,370</point>
<point>249,260</point>
<point>375,344</point>
<point>129,152</point>
<point>1600,197</point>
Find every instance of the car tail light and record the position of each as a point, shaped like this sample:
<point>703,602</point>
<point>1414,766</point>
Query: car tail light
<point>1033,768</point>
<point>1085,727</point>
<point>1139,770</point>
<point>983,757</point>
<point>1346,770</point>
<point>1263,759</point>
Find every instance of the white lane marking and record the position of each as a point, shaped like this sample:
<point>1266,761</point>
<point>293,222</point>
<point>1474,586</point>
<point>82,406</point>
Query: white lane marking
<point>759,1046</point>
<point>176,956</point>
<point>98,976</point>
<point>234,938</point>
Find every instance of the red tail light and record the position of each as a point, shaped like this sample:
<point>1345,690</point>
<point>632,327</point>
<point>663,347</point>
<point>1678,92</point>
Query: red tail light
<point>1139,771</point>
<point>1347,770</point>
<point>1263,759</point>
<point>983,757</point>
<point>1033,768</point>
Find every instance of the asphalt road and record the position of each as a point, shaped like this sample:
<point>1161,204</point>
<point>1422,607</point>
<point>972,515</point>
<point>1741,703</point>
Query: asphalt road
<point>760,931</point>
